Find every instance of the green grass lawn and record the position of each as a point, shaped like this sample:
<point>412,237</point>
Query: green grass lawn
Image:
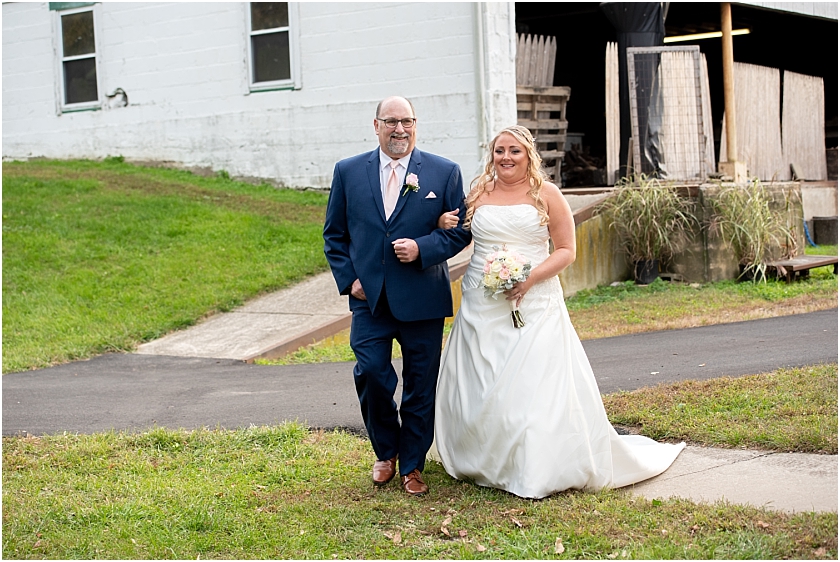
<point>287,492</point>
<point>792,410</point>
<point>102,256</point>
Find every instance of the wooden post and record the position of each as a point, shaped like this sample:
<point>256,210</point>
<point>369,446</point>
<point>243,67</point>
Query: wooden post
<point>732,167</point>
<point>728,82</point>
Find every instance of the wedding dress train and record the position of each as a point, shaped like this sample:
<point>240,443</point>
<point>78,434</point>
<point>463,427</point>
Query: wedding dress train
<point>519,409</point>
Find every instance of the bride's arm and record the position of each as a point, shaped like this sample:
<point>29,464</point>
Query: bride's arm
<point>561,228</point>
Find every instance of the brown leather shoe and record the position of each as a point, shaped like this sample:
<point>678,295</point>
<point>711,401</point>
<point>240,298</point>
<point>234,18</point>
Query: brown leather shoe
<point>384,471</point>
<point>413,483</point>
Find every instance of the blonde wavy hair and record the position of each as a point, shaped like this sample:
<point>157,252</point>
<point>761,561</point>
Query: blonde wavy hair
<point>536,176</point>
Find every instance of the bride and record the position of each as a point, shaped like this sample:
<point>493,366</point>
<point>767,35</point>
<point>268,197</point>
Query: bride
<point>518,408</point>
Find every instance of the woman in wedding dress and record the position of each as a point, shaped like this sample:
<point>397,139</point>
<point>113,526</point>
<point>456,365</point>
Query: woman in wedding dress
<point>518,408</point>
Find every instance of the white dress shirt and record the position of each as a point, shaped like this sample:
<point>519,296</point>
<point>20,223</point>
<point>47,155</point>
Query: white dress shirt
<point>385,170</point>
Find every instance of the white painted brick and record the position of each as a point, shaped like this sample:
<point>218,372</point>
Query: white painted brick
<point>184,70</point>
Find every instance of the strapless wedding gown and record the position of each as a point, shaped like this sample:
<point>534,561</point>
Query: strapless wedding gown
<point>519,409</point>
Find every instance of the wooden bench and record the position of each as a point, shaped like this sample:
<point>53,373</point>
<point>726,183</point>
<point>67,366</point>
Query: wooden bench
<point>799,266</point>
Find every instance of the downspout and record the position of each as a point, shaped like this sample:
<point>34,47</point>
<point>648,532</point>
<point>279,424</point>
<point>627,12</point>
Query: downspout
<point>481,80</point>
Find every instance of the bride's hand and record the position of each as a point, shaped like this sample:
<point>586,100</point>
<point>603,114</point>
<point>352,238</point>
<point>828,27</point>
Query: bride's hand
<point>448,220</point>
<point>518,291</point>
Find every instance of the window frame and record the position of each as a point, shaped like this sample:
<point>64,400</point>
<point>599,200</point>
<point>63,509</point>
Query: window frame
<point>294,81</point>
<point>58,36</point>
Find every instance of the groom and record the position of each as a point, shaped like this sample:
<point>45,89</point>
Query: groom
<point>385,250</point>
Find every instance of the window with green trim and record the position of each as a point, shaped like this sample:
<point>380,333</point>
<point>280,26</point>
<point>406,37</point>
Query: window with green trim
<point>78,58</point>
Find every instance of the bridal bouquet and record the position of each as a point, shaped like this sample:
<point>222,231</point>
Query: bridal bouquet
<point>502,270</point>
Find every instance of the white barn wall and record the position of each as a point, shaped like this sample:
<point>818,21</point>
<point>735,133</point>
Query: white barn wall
<point>184,69</point>
<point>500,33</point>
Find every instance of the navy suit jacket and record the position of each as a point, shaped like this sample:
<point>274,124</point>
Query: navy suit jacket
<point>357,238</point>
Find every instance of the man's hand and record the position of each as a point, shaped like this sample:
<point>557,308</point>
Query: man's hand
<point>357,291</point>
<point>406,249</point>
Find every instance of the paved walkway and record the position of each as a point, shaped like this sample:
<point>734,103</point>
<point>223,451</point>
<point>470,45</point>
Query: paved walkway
<point>197,378</point>
<point>270,326</point>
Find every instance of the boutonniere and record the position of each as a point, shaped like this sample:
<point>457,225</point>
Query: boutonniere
<point>412,182</point>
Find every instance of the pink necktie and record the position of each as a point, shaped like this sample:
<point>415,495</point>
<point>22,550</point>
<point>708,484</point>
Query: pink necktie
<point>392,190</point>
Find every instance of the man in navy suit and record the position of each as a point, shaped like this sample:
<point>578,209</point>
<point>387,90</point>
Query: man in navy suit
<point>385,250</point>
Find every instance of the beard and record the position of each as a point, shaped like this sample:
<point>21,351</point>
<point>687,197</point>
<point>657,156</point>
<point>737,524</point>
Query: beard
<point>398,145</point>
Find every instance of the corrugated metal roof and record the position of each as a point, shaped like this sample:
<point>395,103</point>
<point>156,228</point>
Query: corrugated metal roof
<point>826,10</point>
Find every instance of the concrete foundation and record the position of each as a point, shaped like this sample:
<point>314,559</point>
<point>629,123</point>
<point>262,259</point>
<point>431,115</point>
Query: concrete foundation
<point>601,259</point>
<point>703,258</point>
<point>819,199</point>
<point>707,257</point>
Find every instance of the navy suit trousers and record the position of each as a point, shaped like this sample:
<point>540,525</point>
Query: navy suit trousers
<point>371,337</point>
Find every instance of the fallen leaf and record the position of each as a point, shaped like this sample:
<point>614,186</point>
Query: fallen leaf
<point>612,555</point>
<point>516,522</point>
<point>820,552</point>
<point>462,533</point>
<point>388,534</point>
<point>37,544</point>
<point>480,548</point>
<point>762,524</point>
<point>664,532</point>
<point>558,546</point>
<point>694,529</point>
<point>443,525</point>
<point>397,537</point>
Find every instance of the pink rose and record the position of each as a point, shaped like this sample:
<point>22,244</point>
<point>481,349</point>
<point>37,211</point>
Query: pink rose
<point>504,274</point>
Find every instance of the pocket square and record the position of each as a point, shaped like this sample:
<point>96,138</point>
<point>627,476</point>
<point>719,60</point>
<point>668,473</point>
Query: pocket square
<point>431,195</point>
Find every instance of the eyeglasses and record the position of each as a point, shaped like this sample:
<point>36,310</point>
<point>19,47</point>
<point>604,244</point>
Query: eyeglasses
<point>407,123</point>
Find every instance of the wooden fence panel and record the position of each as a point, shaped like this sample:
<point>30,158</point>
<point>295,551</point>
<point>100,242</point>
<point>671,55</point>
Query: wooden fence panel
<point>670,132</point>
<point>803,125</point>
<point>535,59</point>
<point>613,114</point>
<point>709,159</point>
<point>757,104</point>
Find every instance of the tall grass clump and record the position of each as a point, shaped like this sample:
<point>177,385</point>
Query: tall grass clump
<point>650,217</point>
<point>746,219</point>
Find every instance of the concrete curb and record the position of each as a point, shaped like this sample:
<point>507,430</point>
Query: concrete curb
<point>293,344</point>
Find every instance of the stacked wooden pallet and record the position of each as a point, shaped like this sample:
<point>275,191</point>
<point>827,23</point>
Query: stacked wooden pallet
<point>541,107</point>
<point>543,111</point>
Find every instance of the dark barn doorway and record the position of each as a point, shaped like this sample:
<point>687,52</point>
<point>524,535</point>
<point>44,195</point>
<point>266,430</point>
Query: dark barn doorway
<point>783,40</point>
